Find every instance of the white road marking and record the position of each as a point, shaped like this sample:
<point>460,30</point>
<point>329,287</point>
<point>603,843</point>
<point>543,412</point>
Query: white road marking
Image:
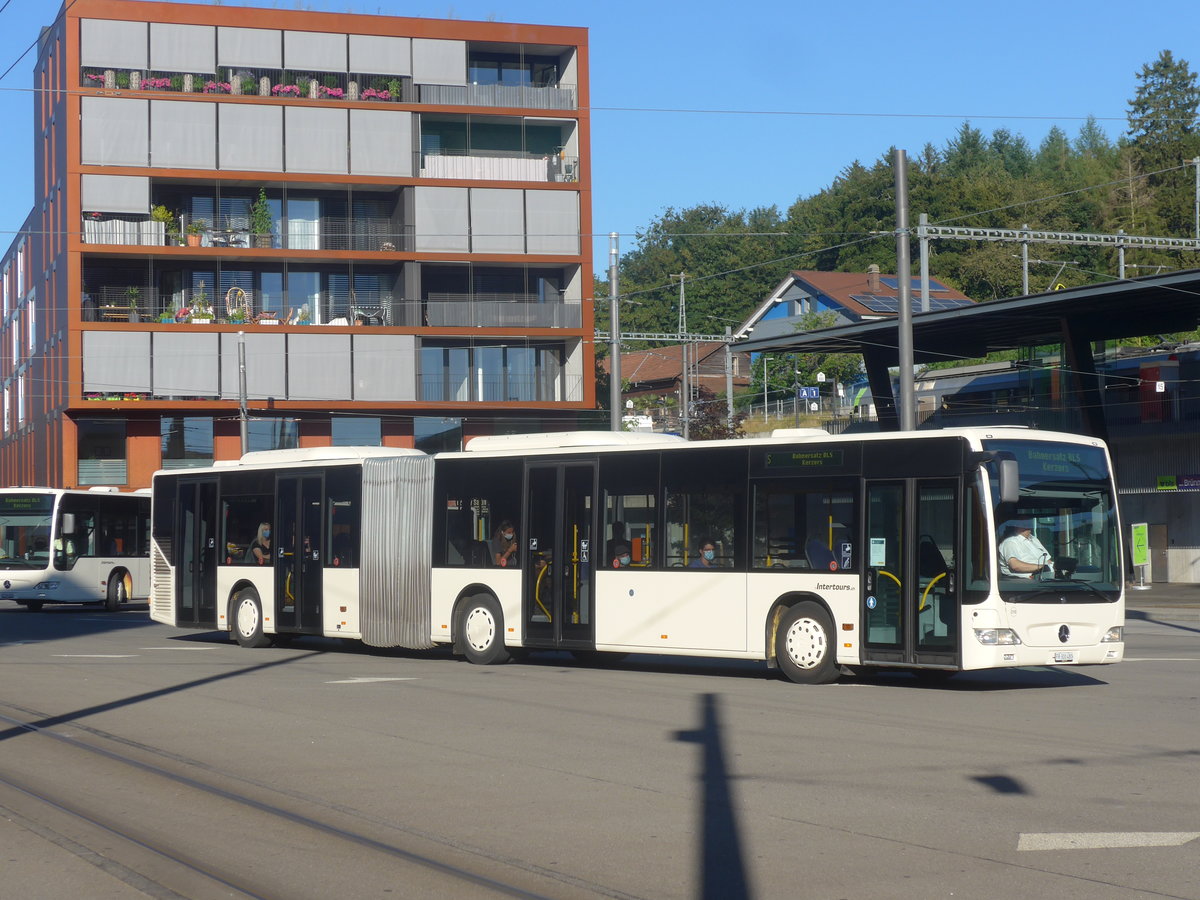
<point>96,655</point>
<point>1105,840</point>
<point>177,648</point>
<point>368,680</point>
<point>1161,659</point>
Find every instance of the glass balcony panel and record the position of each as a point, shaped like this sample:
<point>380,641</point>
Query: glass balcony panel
<point>497,165</point>
<point>498,95</point>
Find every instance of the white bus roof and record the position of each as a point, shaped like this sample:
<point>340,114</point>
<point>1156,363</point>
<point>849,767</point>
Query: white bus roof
<point>561,439</point>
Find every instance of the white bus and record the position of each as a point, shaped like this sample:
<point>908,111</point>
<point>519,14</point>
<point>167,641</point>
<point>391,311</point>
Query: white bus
<point>60,546</point>
<point>829,554</point>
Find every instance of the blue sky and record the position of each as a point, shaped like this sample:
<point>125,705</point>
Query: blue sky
<point>774,98</point>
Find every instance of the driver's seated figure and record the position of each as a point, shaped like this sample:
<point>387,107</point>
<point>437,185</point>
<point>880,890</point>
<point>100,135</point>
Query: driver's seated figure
<point>1021,554</point>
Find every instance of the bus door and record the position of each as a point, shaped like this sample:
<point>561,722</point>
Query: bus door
<point>196,556</point>
<point>910,592</point>
<point>559,555</point>
<point>298,539</point>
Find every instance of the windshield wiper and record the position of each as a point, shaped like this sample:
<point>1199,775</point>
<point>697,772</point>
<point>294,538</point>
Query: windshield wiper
<point>1057,588</point>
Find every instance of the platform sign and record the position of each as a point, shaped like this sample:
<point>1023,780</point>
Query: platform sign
<point>1139,543</point>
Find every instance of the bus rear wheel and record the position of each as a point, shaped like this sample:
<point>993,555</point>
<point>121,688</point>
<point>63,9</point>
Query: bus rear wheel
<point>248,620</point>
<point>116,595</point>
<point>481,631</point>
<point>34,605</point>
<point>804,645</point>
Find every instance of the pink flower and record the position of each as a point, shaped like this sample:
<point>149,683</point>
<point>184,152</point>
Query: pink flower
<point>333,93</point>
<point>378,95</point>
<point>217,87</point>
<point>286,90</point>
<point>93,77</point>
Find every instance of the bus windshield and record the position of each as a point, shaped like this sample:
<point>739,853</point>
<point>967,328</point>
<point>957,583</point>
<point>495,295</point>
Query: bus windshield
<point>1061,540</point>
<point>25,530</point>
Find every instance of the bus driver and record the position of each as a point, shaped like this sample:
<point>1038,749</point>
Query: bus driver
<point>1021,554</point>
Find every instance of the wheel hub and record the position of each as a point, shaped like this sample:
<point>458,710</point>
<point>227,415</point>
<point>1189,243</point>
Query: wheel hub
<point>247,617</point>
<point>481,629</point>
<point>806,643</point>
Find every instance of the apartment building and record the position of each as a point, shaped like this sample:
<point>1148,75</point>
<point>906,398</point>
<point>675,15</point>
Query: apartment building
<point>385,217</point>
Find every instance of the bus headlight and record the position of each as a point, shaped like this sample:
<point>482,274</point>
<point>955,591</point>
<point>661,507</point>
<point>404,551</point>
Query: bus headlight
<point>996,636</point>
<point>46,586</point>
<point>1116,634</point>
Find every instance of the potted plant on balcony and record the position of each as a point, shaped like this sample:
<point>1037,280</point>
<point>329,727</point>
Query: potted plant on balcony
<point>202,311</point>
<point>170,227</point>
<point>261,220</point>
<point>133,295</point>
<point>194,230</point>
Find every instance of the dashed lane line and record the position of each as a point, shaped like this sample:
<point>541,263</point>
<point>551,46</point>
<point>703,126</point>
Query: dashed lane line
<point>1105,840</point>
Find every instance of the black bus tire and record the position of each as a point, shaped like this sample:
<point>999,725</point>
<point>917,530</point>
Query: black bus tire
<point>481,631</point>
<point>34,605</point>
<point>804,645</point>
<point>116,595</point>
<point>247,621</point>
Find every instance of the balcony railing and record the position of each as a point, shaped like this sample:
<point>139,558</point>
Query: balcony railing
<point>141,303</point>
<point>368,235</point>
<point>280,84</point>
<point>496,388</point>
<point>498,166</point>
<point>489,311</point>
<point>514,96</point>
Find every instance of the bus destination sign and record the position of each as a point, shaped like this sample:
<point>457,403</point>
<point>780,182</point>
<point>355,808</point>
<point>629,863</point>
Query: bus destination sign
<point>805,459</point>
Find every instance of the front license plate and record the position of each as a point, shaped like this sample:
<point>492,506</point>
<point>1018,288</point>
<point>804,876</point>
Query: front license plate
<point>6,596</point>
<point>1064,656</point>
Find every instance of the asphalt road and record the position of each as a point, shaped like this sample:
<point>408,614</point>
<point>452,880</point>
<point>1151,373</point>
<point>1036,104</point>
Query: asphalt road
<point>141,760</point>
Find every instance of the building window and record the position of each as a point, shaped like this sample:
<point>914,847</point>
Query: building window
<point>434,434</point>
<point>186,442</point>
<point>356,432</point>
<point>102,454</point>
<point>274,434</point>
<point>492,373</point>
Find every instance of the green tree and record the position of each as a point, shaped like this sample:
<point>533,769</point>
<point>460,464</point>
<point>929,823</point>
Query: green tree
<point>1163,128</point>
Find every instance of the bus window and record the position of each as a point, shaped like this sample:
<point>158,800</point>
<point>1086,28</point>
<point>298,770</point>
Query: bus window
<point>705,501</point>
<point>343,488</point>
<point>471,500</point>
<point>122,525</point>
<point>804,525</point>
<point>246,505</point>
<point>976,578</point>
<point>80,538</point>
<point>629,485</point>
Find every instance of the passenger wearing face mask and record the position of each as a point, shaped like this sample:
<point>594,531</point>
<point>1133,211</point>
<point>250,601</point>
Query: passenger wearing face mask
<point>504,545</point>
<point>260,550</point>
<point>621,556</point>
<point>707,557</point>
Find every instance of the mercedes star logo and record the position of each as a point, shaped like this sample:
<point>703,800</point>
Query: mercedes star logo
<point>1064,633</point>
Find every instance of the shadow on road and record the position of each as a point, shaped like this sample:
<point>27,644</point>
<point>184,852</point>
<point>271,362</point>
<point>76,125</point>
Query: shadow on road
<point>1142,616</point>
<point>722,865</point>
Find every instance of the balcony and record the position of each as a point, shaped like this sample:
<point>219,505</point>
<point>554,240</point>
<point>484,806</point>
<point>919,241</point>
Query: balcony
<point>523,96</point>
<point>498,388</point>
<point>489,311</point>
<point>498,166</point>
<point>279,84</point>
<point>360,234</point>
<point>139,303</point>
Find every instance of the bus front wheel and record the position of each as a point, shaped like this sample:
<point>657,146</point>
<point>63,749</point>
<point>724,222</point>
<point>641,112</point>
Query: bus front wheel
<point>804,645</point>
<point>481,631</point>
<point>248,620</point>
<point>116,595</point>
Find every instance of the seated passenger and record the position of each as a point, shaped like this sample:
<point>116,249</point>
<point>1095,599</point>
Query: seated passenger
<point>621,556</point>
<point>707,557</point>
<point>504,545</point>
<point>260,548</point>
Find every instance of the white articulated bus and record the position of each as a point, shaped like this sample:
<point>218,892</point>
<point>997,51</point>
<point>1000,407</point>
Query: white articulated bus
<point>60,546</point>
<point>816,554</point>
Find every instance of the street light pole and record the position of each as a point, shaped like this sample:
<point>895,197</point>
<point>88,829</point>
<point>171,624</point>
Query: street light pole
<point>765,358</point>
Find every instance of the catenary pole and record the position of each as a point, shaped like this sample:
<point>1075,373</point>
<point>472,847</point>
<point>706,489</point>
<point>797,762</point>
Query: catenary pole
<point>908,419</point>
<point>614,336</point>
<point>243,414</point>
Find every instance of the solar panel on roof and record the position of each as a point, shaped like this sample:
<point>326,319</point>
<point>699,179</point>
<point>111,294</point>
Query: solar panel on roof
<point>878,304</point>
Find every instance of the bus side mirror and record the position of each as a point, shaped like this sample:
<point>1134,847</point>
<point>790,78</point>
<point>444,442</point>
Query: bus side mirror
<point>68,523</point>
<point>1010,481</point>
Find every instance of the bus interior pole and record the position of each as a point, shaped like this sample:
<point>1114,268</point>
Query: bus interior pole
<point>614,336</point>
<point>243,415</point>
<point>908,418</point>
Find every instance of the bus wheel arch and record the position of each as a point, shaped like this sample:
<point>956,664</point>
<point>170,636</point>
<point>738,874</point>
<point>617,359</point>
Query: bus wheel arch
<point>246,619</point>
<point>117,592</point>
<point>801,639</point>
<point>479,628</point>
